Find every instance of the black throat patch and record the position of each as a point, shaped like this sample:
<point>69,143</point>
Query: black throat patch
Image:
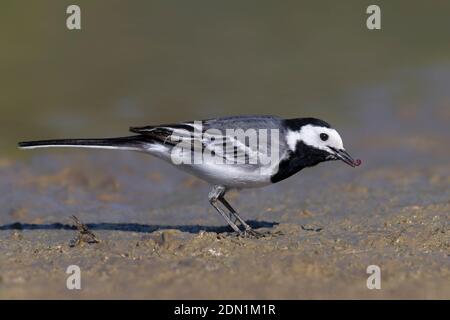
<point>303,157</point>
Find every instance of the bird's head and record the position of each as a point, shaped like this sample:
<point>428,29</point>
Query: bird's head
<point>315,141</point>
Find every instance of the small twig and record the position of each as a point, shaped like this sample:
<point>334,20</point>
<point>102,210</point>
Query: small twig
<point>84,234</point>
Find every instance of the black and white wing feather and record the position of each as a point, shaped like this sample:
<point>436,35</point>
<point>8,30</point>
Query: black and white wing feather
<point>231,138</point>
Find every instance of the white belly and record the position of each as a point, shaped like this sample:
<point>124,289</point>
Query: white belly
<point>228,175</point>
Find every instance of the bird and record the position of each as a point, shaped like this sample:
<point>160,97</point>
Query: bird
<point>234,152</point>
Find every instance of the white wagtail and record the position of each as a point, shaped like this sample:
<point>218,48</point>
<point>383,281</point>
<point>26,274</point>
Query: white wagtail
<point>298,143</point>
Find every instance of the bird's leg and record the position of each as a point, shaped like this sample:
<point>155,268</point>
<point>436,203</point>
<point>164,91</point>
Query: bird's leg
<point>233,212</point>
<point>248,230</point>
<point>215,195</point>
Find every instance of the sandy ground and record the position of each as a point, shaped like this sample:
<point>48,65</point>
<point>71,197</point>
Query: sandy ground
<point>160,239</point>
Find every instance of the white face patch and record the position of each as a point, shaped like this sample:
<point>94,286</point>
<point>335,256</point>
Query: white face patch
<point>311,136</point>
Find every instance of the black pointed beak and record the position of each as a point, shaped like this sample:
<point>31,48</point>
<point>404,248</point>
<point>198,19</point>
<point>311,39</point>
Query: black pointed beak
<point>344,156</point>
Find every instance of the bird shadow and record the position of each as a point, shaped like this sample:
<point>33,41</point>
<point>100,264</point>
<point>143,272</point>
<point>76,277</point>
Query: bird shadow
<point>133,227</point>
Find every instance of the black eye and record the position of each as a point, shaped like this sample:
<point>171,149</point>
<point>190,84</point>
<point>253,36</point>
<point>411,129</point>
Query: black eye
<point>324,136</point>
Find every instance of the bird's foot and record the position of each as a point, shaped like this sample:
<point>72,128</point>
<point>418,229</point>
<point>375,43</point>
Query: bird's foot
<point>252,234</point>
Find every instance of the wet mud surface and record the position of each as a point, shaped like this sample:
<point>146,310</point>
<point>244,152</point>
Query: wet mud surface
<point>159,238</point>
<point>156,236</point>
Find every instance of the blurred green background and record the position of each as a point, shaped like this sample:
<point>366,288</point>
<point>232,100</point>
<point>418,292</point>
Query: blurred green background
<point>145,62</point>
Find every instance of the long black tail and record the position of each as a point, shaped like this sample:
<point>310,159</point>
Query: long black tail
<point>123,143</point>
